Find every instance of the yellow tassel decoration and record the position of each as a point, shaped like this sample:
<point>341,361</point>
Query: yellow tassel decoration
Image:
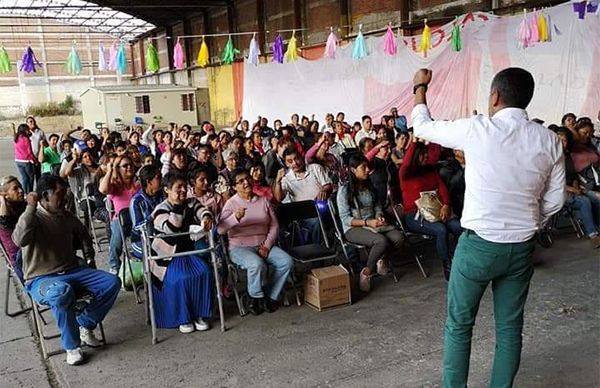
<point>425,39</point>
<point>203,58</point>
<point>291,54</point>
<point>542,28</point>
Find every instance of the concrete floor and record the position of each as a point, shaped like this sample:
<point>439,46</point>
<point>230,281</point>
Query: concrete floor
<point>390,338</point>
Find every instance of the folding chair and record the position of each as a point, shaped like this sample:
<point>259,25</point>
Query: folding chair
<point>289,216</point>
<point>91,193</point>
<point>147,237</point>
<point>341,238</point>
<point>414,241</point>
<point>10,273</point>
<point>125,227</point>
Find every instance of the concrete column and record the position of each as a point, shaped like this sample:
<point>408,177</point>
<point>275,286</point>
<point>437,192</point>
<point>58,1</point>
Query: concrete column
<point>22,89</point>
<point>44,61</point>
<point>90,58</point>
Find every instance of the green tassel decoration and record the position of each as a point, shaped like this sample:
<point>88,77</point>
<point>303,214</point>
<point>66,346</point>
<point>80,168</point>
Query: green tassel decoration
<point>229,52</point>
<point>456,40</point>
<point>73,64</point>
<point>5,65</point>
<point>152,65</point>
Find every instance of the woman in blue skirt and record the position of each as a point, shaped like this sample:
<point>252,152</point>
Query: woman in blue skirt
<point>183,287</point>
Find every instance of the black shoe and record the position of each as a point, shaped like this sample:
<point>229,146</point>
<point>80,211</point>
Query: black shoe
<point>254,306</point>
<point>447,269</point>
<point>271,305</point>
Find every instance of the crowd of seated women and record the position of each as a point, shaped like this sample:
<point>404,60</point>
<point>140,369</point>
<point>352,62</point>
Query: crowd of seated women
<point>178,179</point>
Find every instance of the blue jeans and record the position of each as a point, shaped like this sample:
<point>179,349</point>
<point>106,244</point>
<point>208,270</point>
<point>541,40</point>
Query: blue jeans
<point>27,173</point>
<point>583,205</point>
<point>256,267</point>
<point>116,245</point>
<point>439,230</point>
<point>59,292</point>
<point>595,200</point>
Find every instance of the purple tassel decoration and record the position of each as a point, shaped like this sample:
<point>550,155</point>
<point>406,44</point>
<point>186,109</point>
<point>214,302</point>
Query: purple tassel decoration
<point>29,61</point>
<point>579,9</point>
<point>278,49</point>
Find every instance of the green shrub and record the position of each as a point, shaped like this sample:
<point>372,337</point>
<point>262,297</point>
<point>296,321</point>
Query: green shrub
<point>67,107</point>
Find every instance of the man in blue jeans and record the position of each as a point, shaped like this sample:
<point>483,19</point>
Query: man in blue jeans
<point>53,275</point>
<point>515,180</point>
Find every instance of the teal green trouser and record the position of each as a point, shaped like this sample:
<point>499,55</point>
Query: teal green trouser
<point>476,263</point>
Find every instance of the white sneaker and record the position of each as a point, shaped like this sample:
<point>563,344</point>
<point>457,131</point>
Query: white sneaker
<point>364,282</point>
<point>113,271</point>
<point>382,268</point>
<point>74,356</point>
<point>88,338</point>
<point>201,325</point>
<point>187,328</point>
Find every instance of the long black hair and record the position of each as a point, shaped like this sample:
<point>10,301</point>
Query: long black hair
<point>415,167</point>
<point>22,130</point>
<point>353,185</point>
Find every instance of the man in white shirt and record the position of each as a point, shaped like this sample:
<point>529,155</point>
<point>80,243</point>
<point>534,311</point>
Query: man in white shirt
<point>328,126</point>
<point>366,130</point>
<point>515,180</point>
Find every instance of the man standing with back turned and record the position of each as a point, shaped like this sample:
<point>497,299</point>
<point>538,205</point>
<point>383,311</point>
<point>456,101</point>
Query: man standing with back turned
<point>515,179</point>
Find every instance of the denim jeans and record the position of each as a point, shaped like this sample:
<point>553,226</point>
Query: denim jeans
<point>477,263</point>
<point>256,267</point>
<point>583,205</point>
<point>59,292</point>
<point>116,245</point>
<point>27,173</point>
<point>439,230</point>
<point>594,197</point>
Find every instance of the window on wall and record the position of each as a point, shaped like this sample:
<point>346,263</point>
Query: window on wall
<point>142,104</point>
<point>187,102</point>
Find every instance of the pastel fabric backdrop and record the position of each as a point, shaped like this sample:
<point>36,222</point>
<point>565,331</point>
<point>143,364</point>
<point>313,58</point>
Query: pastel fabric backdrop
<point>566,71</point>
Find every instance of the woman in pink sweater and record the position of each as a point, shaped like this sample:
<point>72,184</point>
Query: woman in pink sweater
<point>25,158</point>
<point>252,228</point>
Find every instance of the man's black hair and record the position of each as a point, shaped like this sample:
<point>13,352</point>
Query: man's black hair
<point>171,177</point>
<point>365,117</point>
<point>515,87</point>
<point>53,135</point>
<point>566,116</point>
<point>121,144</point>
<point>237,172</point>
<point>49,182</point>
<point>290,151</point>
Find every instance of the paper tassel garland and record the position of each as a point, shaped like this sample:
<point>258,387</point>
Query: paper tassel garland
<point>542,28</point>
<point>425,39</point>
<point>549,28</point>
<point>29,61</point>
<point>229,52</point>
<point>524,34</point>
<point>102,62</point>
<point>5,65</point>
<point>112,65</point>
<point>203,59</point>
<point>253,51</point>
<point>178,55</point>
<point>291,53</point>
<point>579,8</point>
<point>331,45</point>
<point>152,65</point>
<point>456,38</point>
<point>389,42</point>
<point>359,49</point>
<point>121,60</point>
<point>533,28</point>
<point>73,62</point>
<point>278,49</point>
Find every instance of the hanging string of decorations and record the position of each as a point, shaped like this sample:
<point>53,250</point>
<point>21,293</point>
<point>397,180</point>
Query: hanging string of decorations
<point>535,27</point>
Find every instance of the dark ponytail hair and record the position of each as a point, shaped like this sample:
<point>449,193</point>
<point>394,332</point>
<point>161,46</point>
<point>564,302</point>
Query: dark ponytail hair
<point>22,130</point>
<point>415,168</point>
<point>352,194</point>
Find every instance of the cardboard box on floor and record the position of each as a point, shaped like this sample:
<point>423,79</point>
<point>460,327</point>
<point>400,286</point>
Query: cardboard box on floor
<point>327,287</point>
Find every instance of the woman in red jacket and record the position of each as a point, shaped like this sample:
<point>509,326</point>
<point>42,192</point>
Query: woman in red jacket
<point>418,174</point>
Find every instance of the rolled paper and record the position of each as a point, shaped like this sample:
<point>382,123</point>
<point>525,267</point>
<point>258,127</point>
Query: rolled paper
<point>425,39</point>
<point>29,61</point>
<point>121,59</point>
<point>178,55</point>
<point>579,9</point>
<point>278,49</point>
<point>229,52</point>
<point>389,42</point>
<point>524,33</point>
<point>112,64</point>
<point>456,38</point>
<point>331,45</point>
<point>533,27</point>
<point>102,62</point>
<point>359,48</point>
<point>5,65</point>
<point>542,28</point>
<point>203,58</point>
<point>152,65</point>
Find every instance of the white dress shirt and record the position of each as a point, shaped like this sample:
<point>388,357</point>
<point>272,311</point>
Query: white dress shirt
<point>514,173</point>
<point>307,186</point>
<point>362,134</point>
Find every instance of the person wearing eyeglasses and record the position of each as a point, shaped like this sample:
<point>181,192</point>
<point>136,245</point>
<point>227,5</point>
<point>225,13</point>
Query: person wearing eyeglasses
<point>252,229</point>
<point>119,185</point>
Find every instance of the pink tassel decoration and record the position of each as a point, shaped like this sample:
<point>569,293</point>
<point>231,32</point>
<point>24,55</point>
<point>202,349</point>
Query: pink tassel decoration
<point>331,46</point>
<point>533,27</point>
<point>178,55</point>
<point>524,34</point>
<point>112,63</point>
<point>389,42</point>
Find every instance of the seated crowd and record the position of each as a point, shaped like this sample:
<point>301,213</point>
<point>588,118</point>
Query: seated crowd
<point>229,182</point>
